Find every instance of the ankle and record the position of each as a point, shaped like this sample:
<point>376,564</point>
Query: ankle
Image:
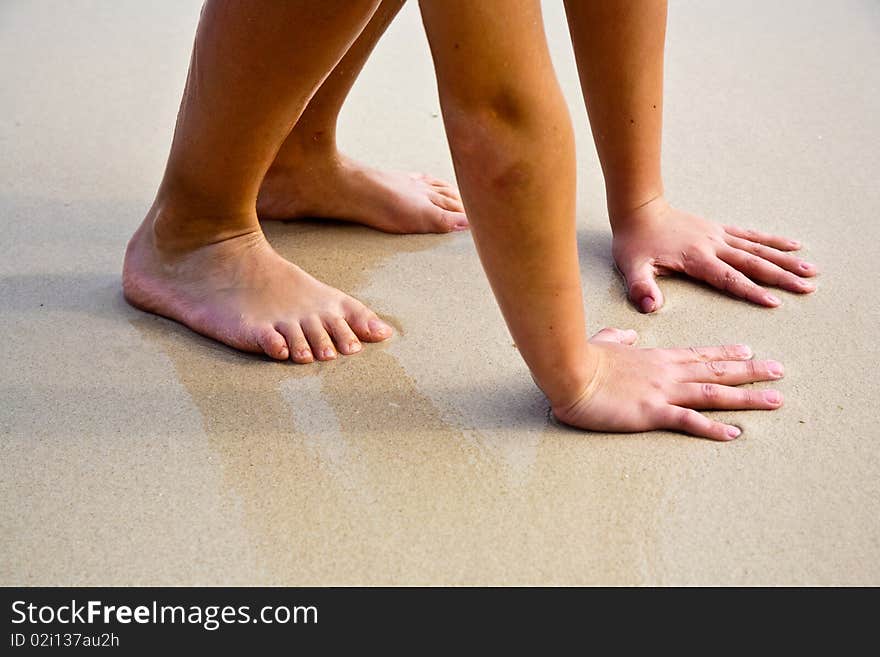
<point>315,149</point>
<point>176,227</point>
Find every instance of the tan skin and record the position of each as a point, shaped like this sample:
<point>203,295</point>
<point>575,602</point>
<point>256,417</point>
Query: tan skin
<point>619,46</point>
<point>200,257</point>
<point>310,177</point>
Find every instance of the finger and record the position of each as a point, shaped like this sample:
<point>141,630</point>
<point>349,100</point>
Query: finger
<point>446,202</point>
<point>300,352</point>
<point>319,340</point>
<point>703,354</point>
<point>616,335</point>
<point>343,337</point>
<point>785,260</point>
<point>776,241</point>
<point>641,286</point>
<point>720,397</point>
<point>690,421</point>
<point>719,274</point>
<point>765,271</point>
<point>732,372</point>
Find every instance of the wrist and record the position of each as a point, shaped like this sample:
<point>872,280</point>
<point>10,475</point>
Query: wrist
<point>625,213</point>
<point>570,385</point>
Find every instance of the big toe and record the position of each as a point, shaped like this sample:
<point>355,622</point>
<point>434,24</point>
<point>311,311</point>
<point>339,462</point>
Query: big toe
<point>447,221</point>
<point>366,324</point>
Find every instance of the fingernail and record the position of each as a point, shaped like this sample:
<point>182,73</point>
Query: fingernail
<point>775,368</point>
<point>772,299</point>
<point>647,304</point>
<point>772,396</point>
<point>733,432</point>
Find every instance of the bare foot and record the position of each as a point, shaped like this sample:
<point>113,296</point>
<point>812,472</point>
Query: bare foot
<point>337,187</point>
<point>241,292</point>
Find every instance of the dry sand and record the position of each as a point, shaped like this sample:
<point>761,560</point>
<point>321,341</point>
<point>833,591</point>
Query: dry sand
<point>135,452</point>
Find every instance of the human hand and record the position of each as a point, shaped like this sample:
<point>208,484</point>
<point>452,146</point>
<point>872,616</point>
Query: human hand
<point>658,239</point>
<point>636,389</point>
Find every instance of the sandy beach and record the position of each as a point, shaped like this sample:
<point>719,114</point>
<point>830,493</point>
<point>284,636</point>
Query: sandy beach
<point>134,452</point>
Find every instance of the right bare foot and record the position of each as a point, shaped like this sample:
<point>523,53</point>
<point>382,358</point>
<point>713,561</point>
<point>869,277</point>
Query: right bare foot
<point>241,292</point>
<point>334,186</point>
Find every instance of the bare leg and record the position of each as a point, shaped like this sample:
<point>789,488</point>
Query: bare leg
<point>619,47</point>
<point>311,178</point>
<point>200,257</point>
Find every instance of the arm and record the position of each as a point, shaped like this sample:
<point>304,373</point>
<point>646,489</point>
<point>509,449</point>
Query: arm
<point>512,147</point>
<point>619,46</point>
<point>513,151</point>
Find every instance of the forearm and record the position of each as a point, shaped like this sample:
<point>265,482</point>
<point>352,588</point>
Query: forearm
<point>619,47</point>
<point>513,150</point>
<point>518,186</point>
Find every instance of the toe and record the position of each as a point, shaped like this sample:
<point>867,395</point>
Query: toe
<point>344,338</point>
<point>319,339</point>
<point>446,202</point>
<point>272,343</point>
<point>445,221</point>
<point>300,352</point>
<point>366,324</point>
<point>446,190</point>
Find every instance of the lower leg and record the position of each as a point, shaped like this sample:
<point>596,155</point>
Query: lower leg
<point>309,177</point>
<point>200,257</point>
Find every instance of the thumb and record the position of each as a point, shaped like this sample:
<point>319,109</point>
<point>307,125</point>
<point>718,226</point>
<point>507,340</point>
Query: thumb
<point>620,336</point>
<point>641,287</point>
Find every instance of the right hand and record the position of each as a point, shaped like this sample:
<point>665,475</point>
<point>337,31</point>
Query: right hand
<point>637,389</point>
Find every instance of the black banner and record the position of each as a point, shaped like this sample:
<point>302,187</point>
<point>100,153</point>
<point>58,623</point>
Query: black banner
<point>413,620</point>
<point>129,620</point>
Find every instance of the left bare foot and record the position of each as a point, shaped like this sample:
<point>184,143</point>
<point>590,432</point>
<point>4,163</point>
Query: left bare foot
<point>339,188</point>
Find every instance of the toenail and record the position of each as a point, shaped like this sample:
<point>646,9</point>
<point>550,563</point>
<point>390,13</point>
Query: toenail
<point>733,432</point>
<point>805,266</point>
<point>775,368</point>
<point>772,397</point>
<point>354,347</point>
<point>742,350</point>
<point>773,299</point>
<point>376,326</point>
<point>303,354</point>
<point>329,353</point>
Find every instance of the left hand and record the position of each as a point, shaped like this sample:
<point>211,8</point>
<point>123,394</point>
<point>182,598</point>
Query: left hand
<point>658,239</point>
